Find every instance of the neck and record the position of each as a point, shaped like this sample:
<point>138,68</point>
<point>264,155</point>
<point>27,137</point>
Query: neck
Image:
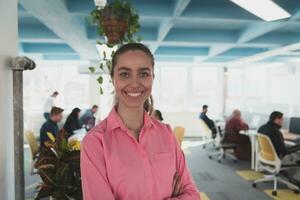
<point>52,120</point>
<point>133,118</point>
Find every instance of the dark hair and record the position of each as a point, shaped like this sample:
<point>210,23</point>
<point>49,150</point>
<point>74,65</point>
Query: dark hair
<point>204,106</point>
<point>148,105</point>
<point>55,93</point>
<point>159,115</point>
<point>275,115</point>
<point>94,106</point>
<point>56,111</point>
<point>75,112</point>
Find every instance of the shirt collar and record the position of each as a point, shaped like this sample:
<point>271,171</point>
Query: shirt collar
<point>114,121</point>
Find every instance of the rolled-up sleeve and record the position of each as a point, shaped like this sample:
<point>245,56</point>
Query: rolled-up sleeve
<point>188,186</point>
<point>95,184</point>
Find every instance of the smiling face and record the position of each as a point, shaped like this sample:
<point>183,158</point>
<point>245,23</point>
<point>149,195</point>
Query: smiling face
<point>133,78</point>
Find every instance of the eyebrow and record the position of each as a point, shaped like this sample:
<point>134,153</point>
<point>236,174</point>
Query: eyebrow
<point>128,69</point>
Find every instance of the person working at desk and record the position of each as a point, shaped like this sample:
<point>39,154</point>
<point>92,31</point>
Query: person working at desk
<point>72,122</point>
<point>233,126</point>
<point>88,119</point>
<point>272,129</point>
<point>51,125</point>
<point>210,123</point>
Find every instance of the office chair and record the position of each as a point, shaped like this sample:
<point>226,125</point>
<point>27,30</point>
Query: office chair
<point>207,134</point>
<point>179,134</point>
<point>271,163</point>
<point>223,147</point>
<point>34,148</point>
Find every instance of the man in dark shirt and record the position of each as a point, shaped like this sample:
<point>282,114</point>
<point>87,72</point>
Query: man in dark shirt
<point>272,129</point>
<point>210,123</point>
<point>50,125</point>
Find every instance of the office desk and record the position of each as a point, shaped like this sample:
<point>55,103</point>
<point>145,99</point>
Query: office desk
<point>290,139</point>
<point>254,147</point>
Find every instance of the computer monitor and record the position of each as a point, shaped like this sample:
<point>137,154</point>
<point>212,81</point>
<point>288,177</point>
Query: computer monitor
<point>294,125</point>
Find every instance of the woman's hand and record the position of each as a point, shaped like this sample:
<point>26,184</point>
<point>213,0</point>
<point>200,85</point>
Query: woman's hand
<point>176,185</point>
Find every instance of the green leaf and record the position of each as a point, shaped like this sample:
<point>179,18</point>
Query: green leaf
<point>101,66</point>
<point>100,79</point>
<point>92,69</point>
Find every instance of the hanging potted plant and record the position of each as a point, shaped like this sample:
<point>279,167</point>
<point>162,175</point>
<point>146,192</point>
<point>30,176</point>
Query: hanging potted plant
<point>117,21</point>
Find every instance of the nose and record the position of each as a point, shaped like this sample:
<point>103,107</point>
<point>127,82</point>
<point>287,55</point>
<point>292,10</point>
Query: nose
<point>135,81</point>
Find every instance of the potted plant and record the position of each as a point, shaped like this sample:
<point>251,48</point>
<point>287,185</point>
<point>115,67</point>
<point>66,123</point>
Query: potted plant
<point>118,21</point>
<point>59,168</point>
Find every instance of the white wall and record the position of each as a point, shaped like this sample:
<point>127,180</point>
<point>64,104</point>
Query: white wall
<point>8,47</point>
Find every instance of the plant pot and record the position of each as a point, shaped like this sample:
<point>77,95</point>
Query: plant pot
<point>114,27</point>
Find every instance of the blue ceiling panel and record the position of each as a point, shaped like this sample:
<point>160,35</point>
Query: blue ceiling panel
<point>189,51</point>
<point>242,52</point>
<point>47,48</point>
<point>192,35</point>
<point>175,30</point>
<point>61,57</point>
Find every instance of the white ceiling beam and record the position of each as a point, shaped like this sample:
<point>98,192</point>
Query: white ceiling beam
<point>167,24</point>
<point>54,14</point>
<point>264,55</point>
<point>257,29</point>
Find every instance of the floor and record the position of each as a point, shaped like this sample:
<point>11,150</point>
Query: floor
<point>219,180</point>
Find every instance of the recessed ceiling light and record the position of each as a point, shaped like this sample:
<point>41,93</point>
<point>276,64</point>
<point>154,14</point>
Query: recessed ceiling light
<point>264,9</point>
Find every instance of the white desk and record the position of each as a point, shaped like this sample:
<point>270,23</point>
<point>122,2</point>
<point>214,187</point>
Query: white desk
<point>254,147</point>
<point>78,135</point>
<point>254,144</point>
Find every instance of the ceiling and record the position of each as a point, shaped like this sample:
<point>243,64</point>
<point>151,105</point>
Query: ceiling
<point>175,30</point>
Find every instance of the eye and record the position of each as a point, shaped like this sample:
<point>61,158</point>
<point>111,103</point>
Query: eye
<point>144,74</point>
<point>124,75</point>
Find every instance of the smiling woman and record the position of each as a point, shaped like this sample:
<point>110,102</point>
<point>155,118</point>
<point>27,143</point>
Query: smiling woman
<point>130,155</point>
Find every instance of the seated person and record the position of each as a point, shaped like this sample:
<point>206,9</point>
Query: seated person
<point>72,122</point>
<point>210,123</point>
<point>233,126</point>
<point>51,125</point>
<point>88,119</point>
<point>272,129</point>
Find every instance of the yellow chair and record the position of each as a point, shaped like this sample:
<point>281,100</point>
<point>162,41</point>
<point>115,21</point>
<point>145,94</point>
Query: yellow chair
<point>271,163</point>
<point>34,148</point>
<point>179,133</point>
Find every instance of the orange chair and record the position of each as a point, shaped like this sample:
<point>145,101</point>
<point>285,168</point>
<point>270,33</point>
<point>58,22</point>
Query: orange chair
<point>34,148</point>
<point>179,134</point>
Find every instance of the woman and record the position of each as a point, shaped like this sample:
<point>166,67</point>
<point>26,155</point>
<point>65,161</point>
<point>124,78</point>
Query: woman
<point>157,115</point>
<point>129,155</point>
<point>72,122</point>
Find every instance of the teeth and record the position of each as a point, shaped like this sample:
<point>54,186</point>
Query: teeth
<point>134,94</point>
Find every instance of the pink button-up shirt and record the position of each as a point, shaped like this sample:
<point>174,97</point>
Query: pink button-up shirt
<point>115,166</point>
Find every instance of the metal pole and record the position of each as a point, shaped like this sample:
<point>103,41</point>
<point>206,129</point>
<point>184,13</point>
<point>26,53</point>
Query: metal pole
<point>18,134</point>
<point>18,65</point>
